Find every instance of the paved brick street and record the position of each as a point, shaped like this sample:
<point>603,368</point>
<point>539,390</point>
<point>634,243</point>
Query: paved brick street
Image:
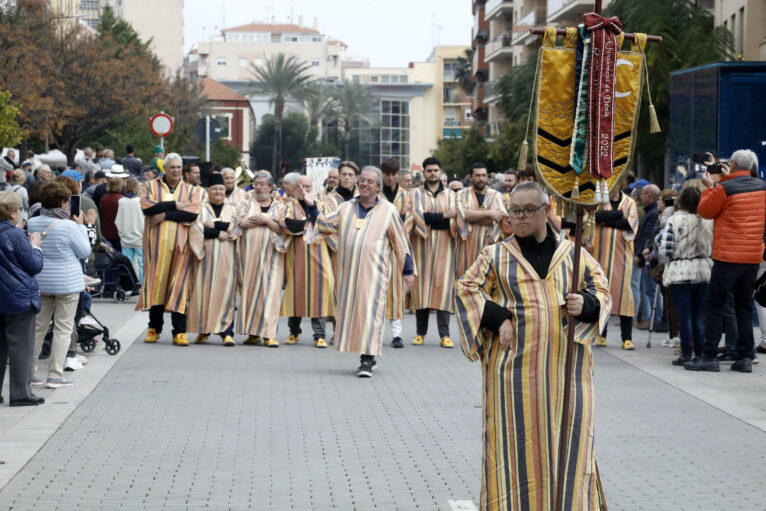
<point>293,428</point>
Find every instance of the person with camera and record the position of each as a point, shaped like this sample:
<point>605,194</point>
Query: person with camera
<point>737,204</point>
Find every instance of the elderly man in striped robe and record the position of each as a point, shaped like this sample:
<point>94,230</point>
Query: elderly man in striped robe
<point>234,194</point>
<point>370,235</point>
<point>310,283</point>
<point>213,243</point>
<point>260,263</point>
<point>170,206</point>
<point>513,307</point>
<point>480,210</point>
<point>433,230</point>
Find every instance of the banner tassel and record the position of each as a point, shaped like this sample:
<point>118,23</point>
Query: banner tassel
<point>654,125</point>
<point>523,155</point>
<point>576,189</point>
<point>597,199</point>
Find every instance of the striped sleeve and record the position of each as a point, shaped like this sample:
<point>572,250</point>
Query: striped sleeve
<point>472,294</point>
<point>593,282</point>
<point>418,219</point>
<point>462,224</point>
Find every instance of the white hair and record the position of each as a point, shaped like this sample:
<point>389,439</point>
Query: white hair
<point>531,185</point>
<point>173,156</point>
<point>745,159</point>
<point>373,168</point>
<point>291,178</point>
<point>264,174</point>
<point>228,169</point>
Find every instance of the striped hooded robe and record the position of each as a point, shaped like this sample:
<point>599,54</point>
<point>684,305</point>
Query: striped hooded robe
<point>167,257</point>
<point>396,291</point>
<point>613,249</point>
<point>523,399</point>
<point>309,281</point>
<point>474,237</point>
<point>366,248</point>
<point>214,290</point>
<point>260,273</point>
<point>433,251</point>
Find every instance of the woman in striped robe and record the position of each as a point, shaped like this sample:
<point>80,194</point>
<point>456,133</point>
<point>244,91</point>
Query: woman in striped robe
<point>513,310</point>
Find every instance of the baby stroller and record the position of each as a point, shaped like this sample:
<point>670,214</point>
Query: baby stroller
<point>87,332</point>
<point>113,274</point>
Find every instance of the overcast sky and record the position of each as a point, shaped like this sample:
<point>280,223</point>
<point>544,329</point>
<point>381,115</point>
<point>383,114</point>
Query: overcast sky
<point>390,33</point>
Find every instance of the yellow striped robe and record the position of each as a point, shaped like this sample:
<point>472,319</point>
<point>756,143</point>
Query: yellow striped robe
<point>522,399</point>
<point>237,197</point>
<point>366,249</point>
<point>396,291</point>
<point>433,251</point>
<point>309,288</point>
<point>260,273</point>
<point>613,249</point>
<point>474,237</point>
<point>167,257</point>
<point>214,290</point>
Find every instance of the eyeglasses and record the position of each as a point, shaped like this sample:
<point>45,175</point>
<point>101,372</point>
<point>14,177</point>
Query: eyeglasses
<point>527,212</point>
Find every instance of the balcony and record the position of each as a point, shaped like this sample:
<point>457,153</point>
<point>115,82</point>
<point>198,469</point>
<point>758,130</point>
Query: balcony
<point>521,35</point>
<point>491,95</point>
<point>499,48</point>
<point>451,122</point>
<point>568,12</point>
<point>497,8</point>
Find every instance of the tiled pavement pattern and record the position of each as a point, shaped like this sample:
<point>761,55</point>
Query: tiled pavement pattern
<point>293,428</point>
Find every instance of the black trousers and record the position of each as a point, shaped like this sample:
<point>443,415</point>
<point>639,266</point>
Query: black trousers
<point>442,322</point>
<point>317,325</point>
<point>156,320</point>
<point>17,346</point>
<point>736,279</point>
<point>626,328</point>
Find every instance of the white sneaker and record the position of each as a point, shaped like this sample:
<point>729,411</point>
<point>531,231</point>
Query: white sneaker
<point>87,320</point>
<point>72,364</point>
<point>671,342</point>
<point>81,359</point>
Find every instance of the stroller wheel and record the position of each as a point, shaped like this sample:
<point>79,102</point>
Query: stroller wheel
<point>88,345</point>
<point>119,295</point>
<point>112,346</point>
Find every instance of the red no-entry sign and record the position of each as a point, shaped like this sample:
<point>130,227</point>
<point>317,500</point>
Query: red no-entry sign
<point>161,125</point>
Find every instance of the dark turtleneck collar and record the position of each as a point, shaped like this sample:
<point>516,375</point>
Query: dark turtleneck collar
<point>539,255</point>
<point>345,193</point>
<point>217,209</point>
<point>438,190</point>
<point>390,193</point>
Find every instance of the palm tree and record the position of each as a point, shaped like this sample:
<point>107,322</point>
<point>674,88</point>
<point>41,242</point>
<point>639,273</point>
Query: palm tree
<point>319,104</point>
<point>464,71</point>
<point>281,78</point>
<point>355,103</point>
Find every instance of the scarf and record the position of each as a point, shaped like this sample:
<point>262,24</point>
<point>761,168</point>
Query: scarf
<point>55,213</point>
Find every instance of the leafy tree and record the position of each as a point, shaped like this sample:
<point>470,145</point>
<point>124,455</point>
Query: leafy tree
<point>319,103</point>
<point>222,153</point>
<point>10,131</point>
<point>688,39</point>
<point>464,72</point>
<point>355,105</point>
<point>280,77</point>
<point>296,140</point>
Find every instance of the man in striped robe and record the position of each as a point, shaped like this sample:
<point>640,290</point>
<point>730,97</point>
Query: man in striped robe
<point>513,307</point>
<point>480,210</point>
<point>214,293</point>
<point>370,237</point>
<point>616,227</point>
<point>310,284</point>
<point>397,196</point>
<point>260,263</point>
<point>170,206</point>
<point>234,194</point>
<point>433,230</point>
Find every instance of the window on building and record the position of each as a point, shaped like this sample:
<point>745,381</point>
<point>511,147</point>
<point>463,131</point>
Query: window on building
<point>224,120</point>
<point>243,62</point>
<point>314,62</point>
<point>395,132</point>
<point>741,31</point>
<point>374,79</point>
<point>449,70</point>
<point>403,78</point>
<point>449,95</point>
<point>221,61</point>
<point>385,78</point>
<point>89,5</point>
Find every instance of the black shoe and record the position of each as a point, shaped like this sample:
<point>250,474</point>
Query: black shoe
<point>2,400</point>
<point>681,360</point>
<point>726,358</point>
<point>701,364</point>
<point>743,366</point>
<point>397,342</point>
<point>662,328</point>
<point>27,401</point>
<point>760,349</point>
<point>365,369</point>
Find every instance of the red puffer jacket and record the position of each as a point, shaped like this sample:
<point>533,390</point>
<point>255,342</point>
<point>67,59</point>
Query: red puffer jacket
<point>738,206</point>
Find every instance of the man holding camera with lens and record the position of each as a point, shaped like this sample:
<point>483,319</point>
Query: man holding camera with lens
<point>737,203</point>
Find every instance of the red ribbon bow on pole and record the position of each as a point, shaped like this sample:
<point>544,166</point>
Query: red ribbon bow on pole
<point>595,21</point>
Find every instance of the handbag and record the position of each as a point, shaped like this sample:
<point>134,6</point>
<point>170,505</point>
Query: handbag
<point>760,290</point>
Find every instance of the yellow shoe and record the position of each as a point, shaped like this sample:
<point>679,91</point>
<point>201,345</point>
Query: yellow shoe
<point>628,345</point>
<point>293,339</point>
<point>320,343</point>
<point>447,343</point>
<point>271,343</point>
<point>151,336</point>
<point>180,340</point>
<point>229,341</point>
<point>201,338</point>
<point>418,340</point>
<point>601,341</point>
<point>252,340</point>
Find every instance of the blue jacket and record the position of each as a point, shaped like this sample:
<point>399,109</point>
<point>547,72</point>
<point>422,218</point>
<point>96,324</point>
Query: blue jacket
<point>19,263</point>
<point>63,247</point>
